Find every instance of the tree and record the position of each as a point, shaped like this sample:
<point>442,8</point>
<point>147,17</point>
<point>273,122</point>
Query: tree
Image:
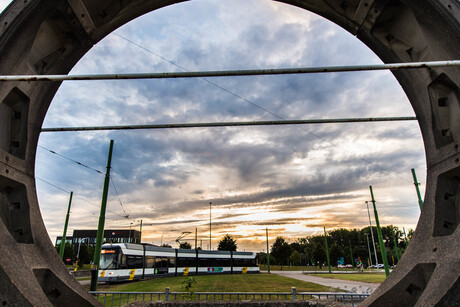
<point>335,252</point>
<point>228,243</point>
<point>319,253</point>
<point>295,257</point>
<point>86,254</point>
<point>166,245</point>
<point>280,251</point>
<point>185,245</point>
<point>68,251</point>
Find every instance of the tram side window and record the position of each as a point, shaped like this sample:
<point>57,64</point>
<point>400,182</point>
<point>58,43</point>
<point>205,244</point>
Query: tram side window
<point>185,262</point>
<point>244,262</point>
<point>149,261</point>
<point>161,262</point>
<point>123,264</point>
<point>207,262</point>
<point>203,262</point>
<point>172,262</point>
<point>134,262</point>
<point>223,262</point>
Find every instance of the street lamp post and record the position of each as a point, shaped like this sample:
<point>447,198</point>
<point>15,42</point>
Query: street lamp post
<point>372,235</point>
<point>210,203</point>
<point>129,234</point>
<point>369,248</point>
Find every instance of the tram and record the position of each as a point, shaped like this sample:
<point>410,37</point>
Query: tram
<point>127,262</point>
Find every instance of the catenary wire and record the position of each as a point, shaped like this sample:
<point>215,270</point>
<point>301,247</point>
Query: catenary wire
<point>74,161</point>
<point>119,200</point>
<point>330,143</point>
<point>93,169</point>
<point>76,196</point>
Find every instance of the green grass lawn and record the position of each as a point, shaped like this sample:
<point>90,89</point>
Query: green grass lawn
<point>219,283</point>
<point>366,277</point>
<point>85,267</point>
<point>83,278</point>
<point>209,283</point>
<point>263,267</point>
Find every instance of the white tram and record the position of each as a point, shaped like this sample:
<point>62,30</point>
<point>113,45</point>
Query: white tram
<point>126,262</point>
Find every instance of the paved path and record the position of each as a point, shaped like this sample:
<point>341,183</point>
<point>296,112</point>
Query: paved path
<point>348,285</point>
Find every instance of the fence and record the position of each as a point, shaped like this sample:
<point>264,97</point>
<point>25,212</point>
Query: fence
<point>124,298</point>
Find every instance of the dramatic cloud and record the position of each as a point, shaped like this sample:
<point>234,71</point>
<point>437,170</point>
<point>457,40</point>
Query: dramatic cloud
<point>291,179</point>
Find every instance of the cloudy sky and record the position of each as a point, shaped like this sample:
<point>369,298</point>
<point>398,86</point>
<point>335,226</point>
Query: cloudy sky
<point>292,179</point>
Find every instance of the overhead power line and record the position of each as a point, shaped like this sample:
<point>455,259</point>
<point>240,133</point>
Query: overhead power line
<point>76,196</point>
<point>93,169</point>
<point>72,160</point>
<point>121,204</point>
<point>232,73</point>
<point>232,124</point>
<point>243,98</point>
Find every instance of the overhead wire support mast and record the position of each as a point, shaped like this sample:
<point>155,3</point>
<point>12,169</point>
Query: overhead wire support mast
<point>230,124</point>
<point>229,73</point>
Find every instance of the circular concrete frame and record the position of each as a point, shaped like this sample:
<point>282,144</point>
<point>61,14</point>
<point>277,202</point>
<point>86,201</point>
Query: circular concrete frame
<point>49,37</point>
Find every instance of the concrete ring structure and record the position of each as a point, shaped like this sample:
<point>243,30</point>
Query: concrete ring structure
<point>50,36</point>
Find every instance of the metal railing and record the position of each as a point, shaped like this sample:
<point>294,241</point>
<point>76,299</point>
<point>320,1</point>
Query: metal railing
<point>124,298</point>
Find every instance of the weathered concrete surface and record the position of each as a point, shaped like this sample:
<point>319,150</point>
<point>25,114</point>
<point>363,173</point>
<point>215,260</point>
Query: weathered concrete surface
<point>50,36</point>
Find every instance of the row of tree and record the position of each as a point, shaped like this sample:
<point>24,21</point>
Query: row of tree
<point>85,255</point>
<point>349,244</point>
<point>227,243</point>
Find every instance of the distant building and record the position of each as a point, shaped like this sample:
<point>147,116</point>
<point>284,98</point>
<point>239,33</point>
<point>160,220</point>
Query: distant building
<point>88,237</point>
<point>68,239</point>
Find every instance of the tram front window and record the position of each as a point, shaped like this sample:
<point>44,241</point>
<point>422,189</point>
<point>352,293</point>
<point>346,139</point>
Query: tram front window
<point>109,259</point>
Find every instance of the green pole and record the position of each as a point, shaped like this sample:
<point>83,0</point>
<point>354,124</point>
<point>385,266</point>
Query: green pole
<point>420,201</point>
<point>268,252</point>
<point>196,238</point>
<point>351,254</point>
<point>100,228</point>
<point>379,232</point>
<point>327,251</point>
<point>62,247</point>
<point>396,244</point>
<point>140,233</point>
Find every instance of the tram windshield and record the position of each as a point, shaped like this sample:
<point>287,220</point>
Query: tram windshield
<point>109,259</point>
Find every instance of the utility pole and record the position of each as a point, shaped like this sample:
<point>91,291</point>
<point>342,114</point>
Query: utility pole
<point>379,232</point>
<point>100,228</point>
<point>351,254</point>
<point>369,248</point>
<point>268,252</point>
<point>196,238</point>
<point>372,235</point>
<point>140,234</point>
<point>210,203</point>
<point>129,234</point>
<point>327,251</point>
<point>78,257</point>
<point>62,247</point>
<point>396,244</point>
<point>420,201</point>
<point>405,237</point>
